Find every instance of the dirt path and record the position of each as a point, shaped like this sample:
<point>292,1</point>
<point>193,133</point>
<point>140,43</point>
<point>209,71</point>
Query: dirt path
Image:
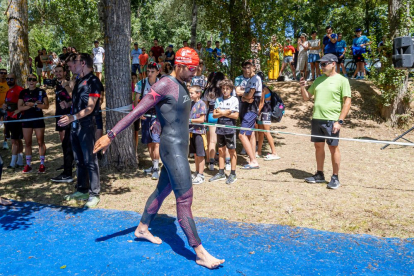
<point>375,196</point>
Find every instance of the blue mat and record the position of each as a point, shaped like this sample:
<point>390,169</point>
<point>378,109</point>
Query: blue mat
<point>40,239</point>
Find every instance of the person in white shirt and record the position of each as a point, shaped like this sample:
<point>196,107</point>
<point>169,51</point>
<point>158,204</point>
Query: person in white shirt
<point>98,59</point>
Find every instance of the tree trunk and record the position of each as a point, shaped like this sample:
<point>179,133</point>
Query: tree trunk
<point>401,103</point>
<point>117,29</point>
<point>194,25</point>
<point>18,40</point>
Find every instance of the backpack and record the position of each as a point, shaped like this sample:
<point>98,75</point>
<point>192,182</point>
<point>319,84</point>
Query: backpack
<point>277,105</point>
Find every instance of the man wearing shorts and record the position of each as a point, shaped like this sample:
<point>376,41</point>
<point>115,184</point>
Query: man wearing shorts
<point>332,94</point>
<point>98,59</point>
<point>135,59</point>
<point>152,139</point>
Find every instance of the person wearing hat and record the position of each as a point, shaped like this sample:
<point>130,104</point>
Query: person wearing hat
<point>135,59</point>
<point>98,59</point>
<point>288,52</point>
<point>359,45</point>
<point>171,99</point>
<point>170,55</point>
<point>332,94</point>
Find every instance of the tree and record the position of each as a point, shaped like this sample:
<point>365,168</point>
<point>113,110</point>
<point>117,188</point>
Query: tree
<point>194,25</point>
<point>116,18</point>
<point>17,16</point>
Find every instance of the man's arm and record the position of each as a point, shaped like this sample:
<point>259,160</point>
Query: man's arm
<point>249,96</point>
<point>239,91</point>
<point>67,119</point>
<point>344,112</point>
<point>305,94</point>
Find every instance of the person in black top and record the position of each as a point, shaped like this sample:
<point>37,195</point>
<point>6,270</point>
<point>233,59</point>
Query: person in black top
<point>63,56</point>
<point>31,102</point>
<point>63,101</point>
<point>85,102</point>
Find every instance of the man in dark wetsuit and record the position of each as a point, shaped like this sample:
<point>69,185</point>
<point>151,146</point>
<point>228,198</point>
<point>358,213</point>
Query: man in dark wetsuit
<point>172,103</point>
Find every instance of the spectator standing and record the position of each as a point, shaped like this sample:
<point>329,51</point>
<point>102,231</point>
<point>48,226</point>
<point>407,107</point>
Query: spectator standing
<point>199,49</point>
<point>199,79</point>
<point>217,51</point>
<point>226,110</point>
<point>98,59</point>
<point>288,51</point>
<point>85,101</point>
<point>30,65</point>
<point>32,101</point>
<point>157,50</point>
<point>185,43</point>
<point>314,56</point>
<point>170,55</point>
<point>135,59</point>
<point>143,62</point>
<point>255,48</point>
<point>198,139</point>
<point>151,58</point>
<point>340,53</point>
<point>55,62</point>
<point>148,136</point>
<point>359,45</point>
<point>303,47</point>
<point>332,94</point>
<point>45,61</point>
<point>329,41</point>
<point>63,100</point>
<point>39,66</point>
<point>13,114</point>
<point>210,94</point>
<point>273,62</point>
<point>251,100</point>
<point>208,48</point>
<point>62,57</point>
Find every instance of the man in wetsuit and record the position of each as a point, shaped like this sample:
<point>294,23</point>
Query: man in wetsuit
<point>172,103</point>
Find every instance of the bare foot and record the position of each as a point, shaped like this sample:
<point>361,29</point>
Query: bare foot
<point>145,234</point>
<point>205,259</point>
<point>5,202</point>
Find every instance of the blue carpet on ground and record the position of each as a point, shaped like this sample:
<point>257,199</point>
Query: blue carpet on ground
<point>38,239</point>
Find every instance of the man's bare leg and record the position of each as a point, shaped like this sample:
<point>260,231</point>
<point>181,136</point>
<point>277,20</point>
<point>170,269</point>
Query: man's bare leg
<point>142,232</point>
<point>205,259</point>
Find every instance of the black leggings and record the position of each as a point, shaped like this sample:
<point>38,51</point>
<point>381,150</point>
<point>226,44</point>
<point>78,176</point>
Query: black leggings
<point>175,176</point>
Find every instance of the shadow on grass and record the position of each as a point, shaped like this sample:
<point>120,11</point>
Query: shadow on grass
<point>295,173</point>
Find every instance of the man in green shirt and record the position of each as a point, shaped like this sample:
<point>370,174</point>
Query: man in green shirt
<point>332,103</point>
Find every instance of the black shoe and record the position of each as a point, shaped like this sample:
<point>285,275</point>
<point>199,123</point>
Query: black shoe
<point>11,167</point>
<point>62,179</point>
<point>317,178</point>
<point>60,168</point>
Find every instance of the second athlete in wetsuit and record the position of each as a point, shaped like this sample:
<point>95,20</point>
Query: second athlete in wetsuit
<point>172,103</point>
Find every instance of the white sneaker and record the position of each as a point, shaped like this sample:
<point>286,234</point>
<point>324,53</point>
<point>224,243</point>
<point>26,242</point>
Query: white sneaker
<point>5,145</point>
<point>198,180</point>
<point>211,166</point>
<point>228,167</point>
<point>148,171</point>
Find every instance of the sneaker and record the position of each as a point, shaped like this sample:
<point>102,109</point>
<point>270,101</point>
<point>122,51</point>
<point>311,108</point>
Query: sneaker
<point>334,183</point>
<point>317,178</point>
<point>12,167</point>
<point>42,169</point>
<point>199,179</point>
<point>228,167</point>
<point>148,171</point>
<point>270,157</point>
<point>193,175</point>
<point>154,175</point>
<point>211,166</point>
<point>231,179</point>
<point>27,169</point>
<point>217,177</point>
<point>77,196</point>
<point>243,152</point>
<point>62,179</point>
<point>5,145</point>
<point>92,202</point>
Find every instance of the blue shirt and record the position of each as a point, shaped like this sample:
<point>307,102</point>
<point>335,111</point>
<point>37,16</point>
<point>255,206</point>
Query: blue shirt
<point>217,53</point>
<point>360,40</point>
<point>329,47</point>
<point>209,51</point>
<point>135,54</point>
<point>340,46</point>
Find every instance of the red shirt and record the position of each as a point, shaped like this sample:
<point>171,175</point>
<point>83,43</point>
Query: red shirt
<point>12,96</point>
<point>157,51</point>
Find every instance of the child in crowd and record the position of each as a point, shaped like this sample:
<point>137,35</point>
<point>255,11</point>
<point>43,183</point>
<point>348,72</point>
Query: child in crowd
<point>198,139</point>
<point>226,109</point>
<point>143,61</point>
<point>151,58</point>
<point>161,63</point>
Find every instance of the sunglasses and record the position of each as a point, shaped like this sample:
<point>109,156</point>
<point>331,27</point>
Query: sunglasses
<point>31,79</point>
<point>324,64</point>
<point>191,68</point>
<point>3,73</point>
<point>9,79</point>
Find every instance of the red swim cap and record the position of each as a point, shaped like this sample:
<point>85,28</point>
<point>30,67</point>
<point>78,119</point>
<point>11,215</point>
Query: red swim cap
<point>187,56</point>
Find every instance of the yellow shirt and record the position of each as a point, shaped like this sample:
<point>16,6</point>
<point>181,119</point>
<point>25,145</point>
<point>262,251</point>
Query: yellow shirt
<point>3,91</point>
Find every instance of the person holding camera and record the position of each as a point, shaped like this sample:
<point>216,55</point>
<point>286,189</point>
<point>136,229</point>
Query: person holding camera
<point>14,128</point>
<point>31,102</point>
<point>63,92</point>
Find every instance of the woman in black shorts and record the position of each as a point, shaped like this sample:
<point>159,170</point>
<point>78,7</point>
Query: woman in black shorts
<point>31,103</point>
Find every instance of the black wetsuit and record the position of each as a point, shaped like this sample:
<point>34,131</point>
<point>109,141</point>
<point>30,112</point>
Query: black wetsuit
<point>172,103</point>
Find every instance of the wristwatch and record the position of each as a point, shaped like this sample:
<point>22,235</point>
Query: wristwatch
<point>341,122</point>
